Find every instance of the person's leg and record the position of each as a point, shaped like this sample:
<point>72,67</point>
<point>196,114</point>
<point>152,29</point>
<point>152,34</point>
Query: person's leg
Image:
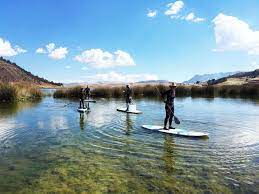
<point>127,104</point>
<point>171,118</point>
<point>80,103</point>
<point>83,102</point>
<point>166,117</point>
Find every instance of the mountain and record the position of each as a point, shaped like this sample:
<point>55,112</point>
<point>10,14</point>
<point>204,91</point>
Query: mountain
<point>206,77</point>
<point>249,77</point>
<point>12,73</point>
<point>154,81</point>
<point>250,74</point>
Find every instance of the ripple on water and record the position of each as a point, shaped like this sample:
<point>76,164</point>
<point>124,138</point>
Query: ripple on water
<point>227,158</point>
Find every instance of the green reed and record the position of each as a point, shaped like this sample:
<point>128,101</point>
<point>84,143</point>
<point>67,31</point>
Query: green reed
<point>149,90</point>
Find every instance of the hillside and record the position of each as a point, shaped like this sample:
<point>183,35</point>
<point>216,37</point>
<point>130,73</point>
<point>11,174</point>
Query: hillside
<point>12,73</point>
<point>250,77</point>
<point>206,77</point>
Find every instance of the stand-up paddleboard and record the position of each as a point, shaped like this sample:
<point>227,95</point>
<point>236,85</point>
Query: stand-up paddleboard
<point>179,132</point>
<point>83,109</point>
<point>94,101</point>
<point>132,109</point>
<point>129,111</point>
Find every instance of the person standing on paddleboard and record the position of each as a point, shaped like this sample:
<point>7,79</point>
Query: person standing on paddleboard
<point>128,96</point>
<point>87,92</point>
<point>82,98</point>
<point>169,105</point>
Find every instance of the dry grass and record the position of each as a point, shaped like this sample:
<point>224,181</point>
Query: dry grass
<point>151,90</point>
<point>13,92</point>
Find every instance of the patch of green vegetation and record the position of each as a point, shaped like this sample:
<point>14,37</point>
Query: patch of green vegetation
<point>78,171</point>
<point>18,92</point>
<point>156,90</point>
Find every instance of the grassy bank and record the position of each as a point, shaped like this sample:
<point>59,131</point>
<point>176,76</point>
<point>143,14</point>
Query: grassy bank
<point>156,90</point>
<point>18,92</point>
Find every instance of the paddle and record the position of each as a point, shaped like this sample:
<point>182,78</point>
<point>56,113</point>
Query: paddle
<point>176,120</point>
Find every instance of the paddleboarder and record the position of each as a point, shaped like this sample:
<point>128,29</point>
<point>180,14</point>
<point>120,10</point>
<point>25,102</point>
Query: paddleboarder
<point>128,96</point>
<point>87,92</point>
<point>169,105</point>
<point>82,98</point>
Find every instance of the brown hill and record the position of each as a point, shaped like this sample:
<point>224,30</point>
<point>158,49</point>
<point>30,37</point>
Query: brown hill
<point>12,73</point>
<point>250,77</point>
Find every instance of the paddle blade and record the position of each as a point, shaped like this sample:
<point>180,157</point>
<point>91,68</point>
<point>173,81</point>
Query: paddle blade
<point>176,120</point>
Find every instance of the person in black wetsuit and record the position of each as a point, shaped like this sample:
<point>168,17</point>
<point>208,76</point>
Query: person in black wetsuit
<point>128,96</point>
<point>82,98</point>
<point>87,92</point>
<point>169,105</point>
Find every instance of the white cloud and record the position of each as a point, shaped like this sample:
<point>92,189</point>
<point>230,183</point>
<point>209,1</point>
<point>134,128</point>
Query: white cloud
<point>192,18</point>
<point>68,67</point>
<point>54,53</point>
<point>58,53</point>
<point>174,8</point>
<point>151,13</point>
<point>7,50</point>
<point>233,34</point>
<point>119,78</point>
<point>41,51</point>
<point>98,58</point>
<point>50,47</point>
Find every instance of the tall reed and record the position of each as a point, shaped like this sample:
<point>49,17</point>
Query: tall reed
<point>157,90</point>
<point>13,92</point>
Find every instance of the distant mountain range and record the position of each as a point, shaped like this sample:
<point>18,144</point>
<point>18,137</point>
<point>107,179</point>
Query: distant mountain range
<point>153,81</point>
<point>206,77</point>
<point>12,73</point>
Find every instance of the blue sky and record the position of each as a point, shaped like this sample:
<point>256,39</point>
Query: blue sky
<point>111,40</point>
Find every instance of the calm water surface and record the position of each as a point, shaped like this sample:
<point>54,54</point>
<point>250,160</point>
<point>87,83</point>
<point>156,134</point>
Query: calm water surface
<point>48,146</point>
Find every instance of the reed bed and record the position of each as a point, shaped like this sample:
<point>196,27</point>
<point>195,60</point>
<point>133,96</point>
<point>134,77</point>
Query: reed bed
<point>18,92</point>
<point>156,91</point>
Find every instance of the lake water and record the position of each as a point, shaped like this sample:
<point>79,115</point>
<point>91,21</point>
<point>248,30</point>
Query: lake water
<point>48,146</point>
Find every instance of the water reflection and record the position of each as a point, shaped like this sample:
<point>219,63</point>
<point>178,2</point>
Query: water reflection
<point>82,121</point>
<point>10,109</point>
<point>169,154</point>
<point>129,124</point>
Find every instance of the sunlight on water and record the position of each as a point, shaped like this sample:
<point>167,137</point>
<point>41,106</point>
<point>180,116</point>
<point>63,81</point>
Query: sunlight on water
<point>49,147</point>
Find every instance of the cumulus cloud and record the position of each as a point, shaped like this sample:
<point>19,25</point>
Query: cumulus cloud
<point>58,53</point>
<point>40,51</point>
<point>233,34</point>
<point>192,18</point>
<point>50,47</point>
<point>53,52</point>
<point>7,50</point>
<point>121,78</point>
<point>98,58</point>
<point>174,8</point>
<point>151,13</point>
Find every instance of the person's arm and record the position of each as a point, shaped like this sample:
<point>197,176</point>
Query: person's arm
<point>163,95</point>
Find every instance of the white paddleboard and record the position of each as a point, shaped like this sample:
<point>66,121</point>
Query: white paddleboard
<point>90,101</point>
<point>129,111</point>
<point>179,132</point>
<point>83,109</point>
